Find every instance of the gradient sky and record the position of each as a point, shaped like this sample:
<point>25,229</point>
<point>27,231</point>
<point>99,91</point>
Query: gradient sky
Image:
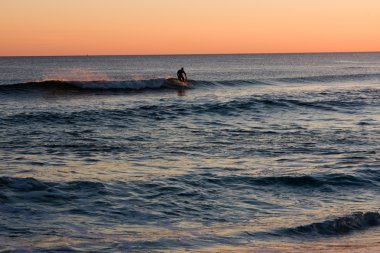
<point>79,27</point>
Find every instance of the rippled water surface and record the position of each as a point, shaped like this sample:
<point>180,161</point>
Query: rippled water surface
<point>262,152</point>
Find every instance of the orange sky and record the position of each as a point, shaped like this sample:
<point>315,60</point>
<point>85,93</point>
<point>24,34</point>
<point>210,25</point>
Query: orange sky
<point>79,27</point>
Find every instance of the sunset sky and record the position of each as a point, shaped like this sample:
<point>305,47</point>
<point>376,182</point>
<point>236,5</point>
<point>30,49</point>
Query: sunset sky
<point>107,27</point>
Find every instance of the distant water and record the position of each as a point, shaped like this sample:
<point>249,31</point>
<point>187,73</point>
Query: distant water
<point>263,152</point>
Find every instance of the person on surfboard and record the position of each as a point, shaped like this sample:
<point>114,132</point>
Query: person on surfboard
<point>180,74</point>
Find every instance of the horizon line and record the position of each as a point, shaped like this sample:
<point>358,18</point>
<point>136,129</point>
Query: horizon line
<point>190,54</point>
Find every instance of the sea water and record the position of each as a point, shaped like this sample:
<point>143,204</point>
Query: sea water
<point>277,152</point>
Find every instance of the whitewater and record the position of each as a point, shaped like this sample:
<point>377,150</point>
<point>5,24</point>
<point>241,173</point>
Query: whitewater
<point>263,153</point>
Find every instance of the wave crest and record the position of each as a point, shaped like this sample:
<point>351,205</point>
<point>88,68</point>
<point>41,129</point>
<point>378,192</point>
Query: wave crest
<point>339,226</point>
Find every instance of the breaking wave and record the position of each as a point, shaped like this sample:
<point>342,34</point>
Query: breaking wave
<point>162,83</point>
<point>86,85</point>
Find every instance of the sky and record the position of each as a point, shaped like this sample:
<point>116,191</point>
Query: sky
<point>125,27</point>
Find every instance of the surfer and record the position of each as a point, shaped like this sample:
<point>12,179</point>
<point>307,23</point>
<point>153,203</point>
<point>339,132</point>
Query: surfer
<point>180,74</point>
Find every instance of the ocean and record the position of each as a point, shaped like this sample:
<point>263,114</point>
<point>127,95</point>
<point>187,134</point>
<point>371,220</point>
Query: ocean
<point>263,153</point>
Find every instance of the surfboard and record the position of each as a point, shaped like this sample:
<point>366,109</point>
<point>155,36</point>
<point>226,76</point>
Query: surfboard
<point>174,82</point>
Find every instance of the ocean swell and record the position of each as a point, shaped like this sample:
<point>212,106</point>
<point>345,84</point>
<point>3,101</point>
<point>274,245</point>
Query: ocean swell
<point>330,78</point>
<point>331,101</point>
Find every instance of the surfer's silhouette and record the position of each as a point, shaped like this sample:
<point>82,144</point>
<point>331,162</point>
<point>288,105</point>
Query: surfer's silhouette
<point>181,74</point>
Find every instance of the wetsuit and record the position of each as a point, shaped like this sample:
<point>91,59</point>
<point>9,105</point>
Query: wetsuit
<point>180,74</point>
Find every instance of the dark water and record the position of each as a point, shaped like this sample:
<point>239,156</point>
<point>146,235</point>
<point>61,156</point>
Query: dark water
<point>263,152</point>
